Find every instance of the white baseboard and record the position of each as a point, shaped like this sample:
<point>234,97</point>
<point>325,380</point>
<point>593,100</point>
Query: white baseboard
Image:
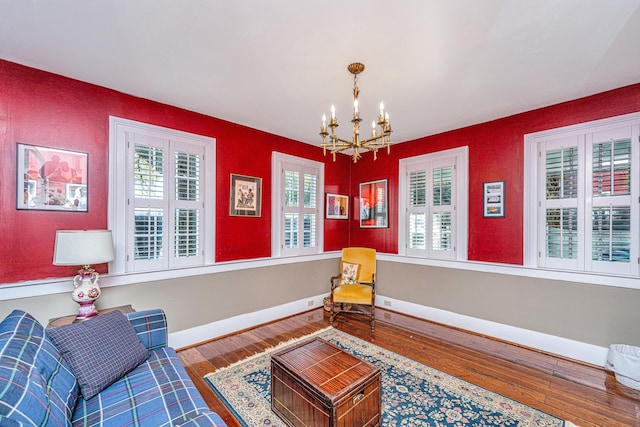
<point>571,349</point>
<point>212,330</point>
<point>576,350</point>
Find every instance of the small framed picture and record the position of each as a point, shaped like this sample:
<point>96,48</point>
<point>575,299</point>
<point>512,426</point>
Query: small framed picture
<point>493,199</point>
<point>337,206</point>
<point>246,195</point>
<point>373,204</point>
<point>51,179</point>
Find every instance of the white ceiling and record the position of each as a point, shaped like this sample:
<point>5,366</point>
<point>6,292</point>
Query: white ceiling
<point>278,65</point>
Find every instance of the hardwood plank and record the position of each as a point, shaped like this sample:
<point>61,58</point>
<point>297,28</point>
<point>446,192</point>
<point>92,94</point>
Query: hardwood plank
<point>583,394</point>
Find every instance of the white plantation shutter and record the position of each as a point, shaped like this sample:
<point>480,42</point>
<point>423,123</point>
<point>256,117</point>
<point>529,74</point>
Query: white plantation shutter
<point>587,182</point>
<point>187,205</point>
<point>157,187</point>
<point>291,188</point>
<point>611,237</point>
<point>560,204</point>
<point>148,234</point>
<point>310,210</point>
<point>149,170</point>
<point>167,207</point>
<point>417,231</point>
<point>187,233</point>
<point>291,230</point>
<point>149,210</point>
<point>429,201</point>
<point>291,209</point>
<point>297,206</point>
<point>442,209</point>
<point>301,213</point>
<point>612,221</point>
<point>416,210</point>
<point>561,241</point>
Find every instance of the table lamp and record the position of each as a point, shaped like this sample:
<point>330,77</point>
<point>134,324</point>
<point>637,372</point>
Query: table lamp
<point>84,247</point>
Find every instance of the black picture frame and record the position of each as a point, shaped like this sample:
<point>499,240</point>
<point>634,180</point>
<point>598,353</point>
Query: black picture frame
<point>374,202</point>
<point>493,199</point>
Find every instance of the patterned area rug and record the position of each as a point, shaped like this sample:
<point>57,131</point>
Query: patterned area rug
<point>412,394</point>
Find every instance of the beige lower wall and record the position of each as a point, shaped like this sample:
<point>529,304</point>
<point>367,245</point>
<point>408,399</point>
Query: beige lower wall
<point>593,314</point>
<point>198,300</point>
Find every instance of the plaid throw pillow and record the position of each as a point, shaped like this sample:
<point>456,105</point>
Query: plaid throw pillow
<point>99,351</point>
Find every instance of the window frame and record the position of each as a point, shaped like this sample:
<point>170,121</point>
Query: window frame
<point>121,192</point>
<point>533,230</point>
<point>279,160</point>
<point>460,191</point>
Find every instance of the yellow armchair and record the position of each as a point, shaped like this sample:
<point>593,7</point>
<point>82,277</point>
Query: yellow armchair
<point>354,289</point>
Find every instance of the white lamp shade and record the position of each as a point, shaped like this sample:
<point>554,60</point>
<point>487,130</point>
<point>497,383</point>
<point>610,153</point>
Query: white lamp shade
<point>83,247</point>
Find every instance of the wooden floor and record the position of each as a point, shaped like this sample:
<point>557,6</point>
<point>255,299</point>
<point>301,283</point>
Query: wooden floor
<point>585,395</point>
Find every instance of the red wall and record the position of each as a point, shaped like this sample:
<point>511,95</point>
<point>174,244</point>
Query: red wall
<point>40,108</point>
<point>249,153</point>
<point>496,152</point>
<point>44,109</point>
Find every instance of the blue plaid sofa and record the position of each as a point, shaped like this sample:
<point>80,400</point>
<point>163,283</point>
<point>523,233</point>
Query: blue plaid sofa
<point>38,388</point>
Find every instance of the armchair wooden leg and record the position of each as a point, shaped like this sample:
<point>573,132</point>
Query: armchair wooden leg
<point>333,311</point>
<point>373,317</point>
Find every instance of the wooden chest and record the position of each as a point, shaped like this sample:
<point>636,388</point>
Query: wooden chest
<point>315,383</point>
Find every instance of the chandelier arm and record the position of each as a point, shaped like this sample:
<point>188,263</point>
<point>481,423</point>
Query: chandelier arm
<point>344,141</point>
<point>375,142</point>
<point>333,145</point>
<point>339,150</point>
<point>380,140</point>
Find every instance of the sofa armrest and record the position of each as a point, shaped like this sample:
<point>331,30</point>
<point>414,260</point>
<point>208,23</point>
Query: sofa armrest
<point>151,327</point>
<point>210,419</point>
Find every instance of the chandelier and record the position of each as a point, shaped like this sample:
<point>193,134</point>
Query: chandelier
<point>379,138</point>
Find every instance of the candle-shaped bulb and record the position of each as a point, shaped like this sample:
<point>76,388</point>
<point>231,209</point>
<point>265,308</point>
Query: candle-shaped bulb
<point>333,111</point>
<point>373,128</point>
<point>324,120</point>
<point>386,117</point>
<point>381,109</point>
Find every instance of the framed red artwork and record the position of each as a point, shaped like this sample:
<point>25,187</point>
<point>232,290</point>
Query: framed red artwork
<point>374,212</point>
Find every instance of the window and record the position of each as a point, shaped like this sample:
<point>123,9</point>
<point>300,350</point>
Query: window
<point>433,205</point>
<point>297,226</point>
<point>160,215</point>
<point>585,216</point>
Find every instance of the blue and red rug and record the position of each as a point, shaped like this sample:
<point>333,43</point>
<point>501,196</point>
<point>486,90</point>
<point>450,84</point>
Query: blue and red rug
<point>413,394</point>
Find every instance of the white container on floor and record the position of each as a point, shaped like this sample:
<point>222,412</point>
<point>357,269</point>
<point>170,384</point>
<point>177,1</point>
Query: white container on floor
<point>624,361</point>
